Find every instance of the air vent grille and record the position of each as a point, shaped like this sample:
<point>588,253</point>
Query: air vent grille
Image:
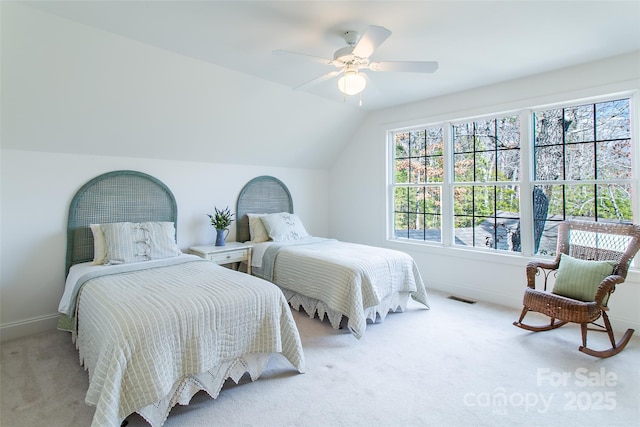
<point>460,299</point>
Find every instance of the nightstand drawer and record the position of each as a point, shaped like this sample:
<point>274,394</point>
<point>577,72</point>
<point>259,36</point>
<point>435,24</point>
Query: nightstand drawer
<point>231,253</point>
<point>228,257</point>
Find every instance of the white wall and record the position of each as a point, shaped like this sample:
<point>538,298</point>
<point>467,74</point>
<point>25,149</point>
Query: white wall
<point>358,182</point>
<point>37,189</point>
<point>71,88</point>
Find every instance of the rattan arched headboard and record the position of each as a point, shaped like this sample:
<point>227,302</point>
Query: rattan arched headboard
<point>119,196</point>
<point>264,194</point>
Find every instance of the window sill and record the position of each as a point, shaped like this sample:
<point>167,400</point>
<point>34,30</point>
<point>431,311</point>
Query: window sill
<point>495,257</point>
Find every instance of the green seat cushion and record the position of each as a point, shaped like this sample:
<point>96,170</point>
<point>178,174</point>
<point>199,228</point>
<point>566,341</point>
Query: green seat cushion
<point>579,279</point>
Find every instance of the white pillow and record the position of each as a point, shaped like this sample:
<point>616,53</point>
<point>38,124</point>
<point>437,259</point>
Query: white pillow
<point>139,241</point>
<point>256,228</point>
<point>284,226</point>
<point>99,247</point>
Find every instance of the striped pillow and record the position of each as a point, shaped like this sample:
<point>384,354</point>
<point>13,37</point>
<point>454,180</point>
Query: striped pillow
<point>579,279</point>
<point>139,241</point>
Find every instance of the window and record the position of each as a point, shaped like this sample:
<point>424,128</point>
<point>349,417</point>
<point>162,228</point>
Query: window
<point>582,167</point>
<point>486,190</point>
<point>418,177</point>
<point>462,183</point>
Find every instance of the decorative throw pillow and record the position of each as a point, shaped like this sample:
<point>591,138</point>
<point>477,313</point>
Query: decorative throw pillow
<point>163,239</point>
<point>125,242</point>
<point>284,226</point>
<point>256,228</point>
<point>99,248</point>
<point>579,279</point>
<point>139,241</point>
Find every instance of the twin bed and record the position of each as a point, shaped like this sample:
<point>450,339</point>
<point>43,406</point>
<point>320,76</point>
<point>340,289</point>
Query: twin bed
<point>323,276</point>
<point>154,326</point>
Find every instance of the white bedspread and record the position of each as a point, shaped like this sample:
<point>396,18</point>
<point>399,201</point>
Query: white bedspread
<point>347,278</point>
<point>145,335</point>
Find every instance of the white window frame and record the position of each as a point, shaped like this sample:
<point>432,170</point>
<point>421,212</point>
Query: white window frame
<point>527,179</point>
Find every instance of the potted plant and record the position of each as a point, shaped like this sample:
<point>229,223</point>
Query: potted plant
<point>221,220</point>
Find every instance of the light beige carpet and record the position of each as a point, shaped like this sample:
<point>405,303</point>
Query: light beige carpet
<point>454,365</point>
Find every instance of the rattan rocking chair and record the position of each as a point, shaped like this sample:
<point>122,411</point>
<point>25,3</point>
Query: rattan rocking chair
<point>617,243</point>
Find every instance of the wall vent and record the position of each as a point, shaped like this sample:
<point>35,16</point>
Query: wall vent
<point>465,300</point>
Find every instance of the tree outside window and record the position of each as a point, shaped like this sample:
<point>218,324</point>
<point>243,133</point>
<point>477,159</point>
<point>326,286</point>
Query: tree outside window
<point>582,165</point>
<point>418,177</point>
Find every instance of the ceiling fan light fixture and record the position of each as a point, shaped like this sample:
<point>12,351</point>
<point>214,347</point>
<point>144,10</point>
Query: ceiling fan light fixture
<point>351,83</point>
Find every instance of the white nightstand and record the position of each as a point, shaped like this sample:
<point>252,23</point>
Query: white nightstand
<point>230,253</point>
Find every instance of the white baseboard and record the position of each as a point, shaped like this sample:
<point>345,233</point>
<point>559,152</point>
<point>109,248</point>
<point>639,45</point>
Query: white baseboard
<point>23,328</point>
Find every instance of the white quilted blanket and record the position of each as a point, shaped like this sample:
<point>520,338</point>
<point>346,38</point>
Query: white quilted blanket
<point>340,278</point>
<point>144,336</point>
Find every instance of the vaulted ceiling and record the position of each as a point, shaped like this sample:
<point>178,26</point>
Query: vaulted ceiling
<point>476,43</point>
<point>198,80</point>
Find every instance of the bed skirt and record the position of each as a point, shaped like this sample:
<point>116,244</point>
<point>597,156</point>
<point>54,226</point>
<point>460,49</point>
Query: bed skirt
<point>396,302</point>
<point>210,381</point>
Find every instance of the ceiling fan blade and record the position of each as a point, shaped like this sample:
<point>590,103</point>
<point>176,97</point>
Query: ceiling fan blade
<point>406,66</point>
<point>289,53</point>
<point>370,40</point>
<point>318,80</point>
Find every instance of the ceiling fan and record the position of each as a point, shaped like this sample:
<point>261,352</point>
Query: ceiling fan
<point>352,59</point>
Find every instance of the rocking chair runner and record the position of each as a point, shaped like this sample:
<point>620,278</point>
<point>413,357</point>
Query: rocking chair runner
<point>587,241</point>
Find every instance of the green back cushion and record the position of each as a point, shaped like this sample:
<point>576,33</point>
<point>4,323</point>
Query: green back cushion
<point>579,279</point>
